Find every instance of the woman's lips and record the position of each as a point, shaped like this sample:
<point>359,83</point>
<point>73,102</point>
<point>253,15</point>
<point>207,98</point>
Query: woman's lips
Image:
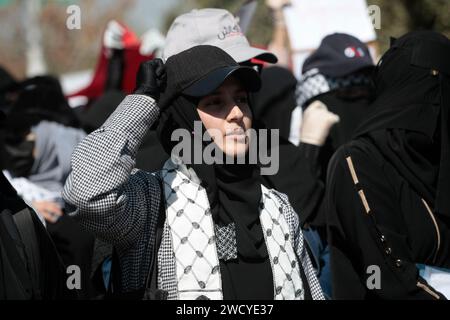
<point>235,132</point>
<point>237,136</point>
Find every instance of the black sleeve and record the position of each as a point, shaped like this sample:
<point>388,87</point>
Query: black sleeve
<point>365,231</point>
<point>298,178</point>
<point>115,71</point>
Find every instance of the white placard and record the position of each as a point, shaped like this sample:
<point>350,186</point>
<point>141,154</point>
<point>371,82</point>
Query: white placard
<point>309,21</point>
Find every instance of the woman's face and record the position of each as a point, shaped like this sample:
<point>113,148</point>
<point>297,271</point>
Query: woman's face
<point>226,116</point>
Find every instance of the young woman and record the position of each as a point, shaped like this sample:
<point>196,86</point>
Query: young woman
<point>388,189</point>
<point>190,231</point>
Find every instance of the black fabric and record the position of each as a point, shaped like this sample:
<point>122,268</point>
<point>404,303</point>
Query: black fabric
<point>400,156</point>
<point>18,278</point>
<point>7,84</point>
<point>298,174</point>
<point>298,177</point>
<point>234,191</point>
<point>352,105</point>
<point>24,222</point>
<point>409,122</point>
<point>151,155</point>
<point>115,70</point>
<point>42,98</point>
<point>355,240</point>
<point>16,282</point>
<point>6,80</point>
<point>276,100</point>
<point>75,247</point>
<point>99,111</point>
<point>18,158</point>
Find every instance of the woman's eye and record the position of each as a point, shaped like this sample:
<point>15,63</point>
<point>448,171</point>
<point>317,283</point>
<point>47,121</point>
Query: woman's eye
<point>242,100</point>
<point>215,102</point>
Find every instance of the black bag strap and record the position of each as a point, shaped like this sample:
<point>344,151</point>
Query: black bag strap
<point>376,233</point>
<point>14,253</point>
<point>25,226</point>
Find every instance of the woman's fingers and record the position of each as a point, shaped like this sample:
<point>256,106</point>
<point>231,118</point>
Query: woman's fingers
<point>51,211</point>
<point>316,124</point>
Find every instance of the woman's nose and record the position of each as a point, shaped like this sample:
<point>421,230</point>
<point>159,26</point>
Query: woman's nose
<point>235,113</point>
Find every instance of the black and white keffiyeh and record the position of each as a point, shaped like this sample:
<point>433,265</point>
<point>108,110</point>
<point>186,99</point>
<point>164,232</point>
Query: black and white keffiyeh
<point>314,83</point>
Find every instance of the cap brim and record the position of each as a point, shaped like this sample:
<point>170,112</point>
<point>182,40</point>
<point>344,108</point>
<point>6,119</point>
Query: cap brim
<point>245,53</point>
<point>206,85</point>
<point>345,69</point>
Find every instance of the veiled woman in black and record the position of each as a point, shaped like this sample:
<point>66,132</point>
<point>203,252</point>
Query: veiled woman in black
<point>388,192</point>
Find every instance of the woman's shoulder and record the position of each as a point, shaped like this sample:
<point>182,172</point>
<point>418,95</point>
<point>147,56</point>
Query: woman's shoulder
<point>284,206</point>
<point>358,153</point>
<point>359,162</point>
<point>360,148</point>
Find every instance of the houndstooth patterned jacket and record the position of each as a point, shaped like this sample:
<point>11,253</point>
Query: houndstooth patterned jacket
<point>120,204</point>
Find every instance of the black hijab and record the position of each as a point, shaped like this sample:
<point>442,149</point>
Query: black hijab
<point>234,194</point>
<point>409,121</point>
<point>276,100</point>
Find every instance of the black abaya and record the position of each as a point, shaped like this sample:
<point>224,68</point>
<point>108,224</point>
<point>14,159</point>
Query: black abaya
<point>385,189</point>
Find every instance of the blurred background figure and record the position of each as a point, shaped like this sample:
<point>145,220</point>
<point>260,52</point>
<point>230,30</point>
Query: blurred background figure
<point>7,85</point>
<point>120,55</point>
<point>30,267</point>
<point>40,133</point>
<point>331,98</point>
<point>38,138</point>
<point>387,194</point>
<point>338,74</point>
<point>277,99</point>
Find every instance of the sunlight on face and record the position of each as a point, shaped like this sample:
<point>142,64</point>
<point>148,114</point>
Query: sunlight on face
<point>226,116</point>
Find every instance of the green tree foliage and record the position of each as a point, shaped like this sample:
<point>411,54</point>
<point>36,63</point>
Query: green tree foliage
<point>400,16</point>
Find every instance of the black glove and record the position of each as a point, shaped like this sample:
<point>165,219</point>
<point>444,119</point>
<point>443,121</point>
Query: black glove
<point>151,78</point>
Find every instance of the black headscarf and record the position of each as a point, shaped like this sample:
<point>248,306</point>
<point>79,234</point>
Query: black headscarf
<point>234,193</point>
<point>42,98</point>
<point>276,100</point>
<point>99,111</point>
<point>409,121</point>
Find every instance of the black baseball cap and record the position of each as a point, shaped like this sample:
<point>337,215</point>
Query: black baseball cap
<point>338,55</point>
<point>200,70</point>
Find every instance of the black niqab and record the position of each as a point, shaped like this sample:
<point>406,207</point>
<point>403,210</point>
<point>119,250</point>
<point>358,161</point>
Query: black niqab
<point>409,121</point>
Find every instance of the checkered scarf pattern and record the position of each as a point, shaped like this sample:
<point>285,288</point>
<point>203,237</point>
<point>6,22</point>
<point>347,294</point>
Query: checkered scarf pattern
<point>313,83</point>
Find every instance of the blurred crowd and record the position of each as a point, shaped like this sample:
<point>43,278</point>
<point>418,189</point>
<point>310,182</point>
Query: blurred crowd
<point>363,151</point>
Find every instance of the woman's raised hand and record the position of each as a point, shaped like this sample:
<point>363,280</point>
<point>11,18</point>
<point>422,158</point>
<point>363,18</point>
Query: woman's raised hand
<point>151,78</point>
<point>316,124</point>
